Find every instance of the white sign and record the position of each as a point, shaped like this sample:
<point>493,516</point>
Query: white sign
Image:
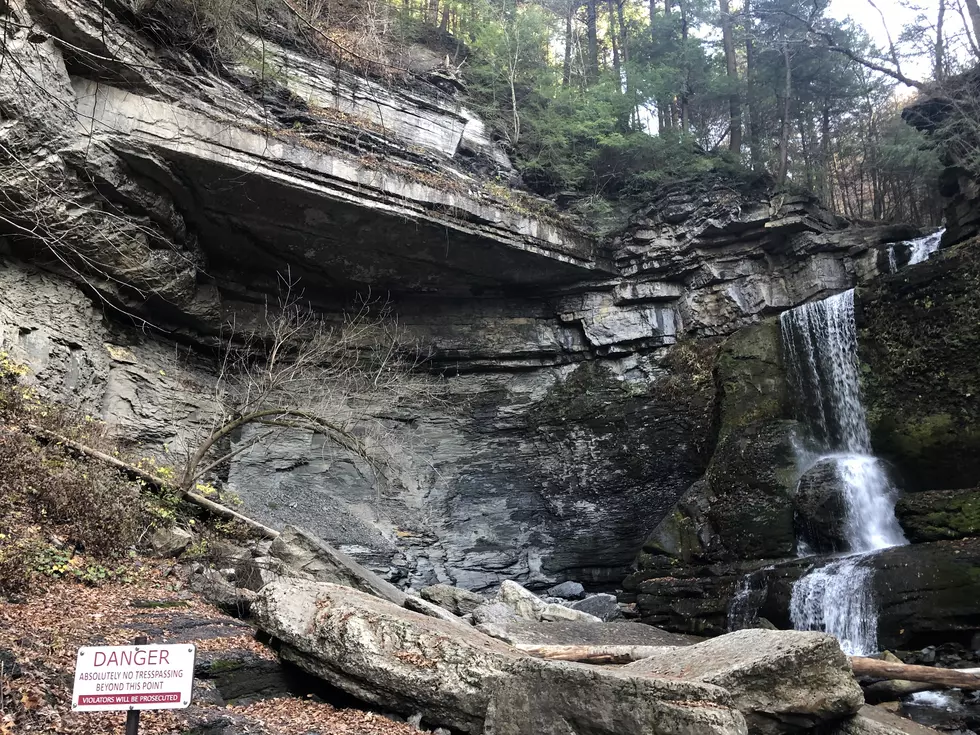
<point>133,677</point>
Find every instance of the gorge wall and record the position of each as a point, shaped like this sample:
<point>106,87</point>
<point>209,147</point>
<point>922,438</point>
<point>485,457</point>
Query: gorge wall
<point>583,385</point>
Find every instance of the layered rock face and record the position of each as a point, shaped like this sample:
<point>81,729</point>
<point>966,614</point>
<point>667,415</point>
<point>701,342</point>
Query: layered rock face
<point>574,409</point>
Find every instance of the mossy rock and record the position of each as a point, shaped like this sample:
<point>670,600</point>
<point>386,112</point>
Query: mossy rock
<point>919,338</point>
<point>750,377</point>
<point>940,514</point>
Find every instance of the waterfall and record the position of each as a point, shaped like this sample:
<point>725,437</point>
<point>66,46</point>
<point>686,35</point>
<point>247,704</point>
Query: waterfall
<point>820,348</point>
<point>920,249</point>
<point>923,247</point>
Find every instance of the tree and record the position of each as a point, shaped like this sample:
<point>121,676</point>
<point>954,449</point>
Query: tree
<point>731,70</point>
<point>294,370</point>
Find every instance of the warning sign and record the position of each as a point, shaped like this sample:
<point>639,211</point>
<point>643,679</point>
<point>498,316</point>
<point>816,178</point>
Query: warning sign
<point>151,676</point>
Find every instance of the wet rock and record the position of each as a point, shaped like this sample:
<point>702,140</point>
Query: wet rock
<point>939,514</point>
<point>782,681</point>
<point>170,541</point>
<point>918,340</point>
<point>242,677</point>
<point>820,511</point>
<point>455,600</point>
<point>568,591</point>
<point>603,605</point>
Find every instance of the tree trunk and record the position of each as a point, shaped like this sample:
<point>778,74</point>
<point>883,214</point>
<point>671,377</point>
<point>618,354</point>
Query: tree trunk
<point>973,8</point>
<point>686,87</point>
<point>755,120</point>
<point>734,100</point>
<point>592,30</point>
<point>784,131</point>
<point>444,23</point>
<point>591,654</point>
<point>955,678</point>
<point>615,42</point>
<point>566,71</point>
<point>824,188</point>
<point>940,61</point>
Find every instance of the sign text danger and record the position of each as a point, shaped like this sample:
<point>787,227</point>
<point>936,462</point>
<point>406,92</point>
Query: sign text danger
<point>151,676</point>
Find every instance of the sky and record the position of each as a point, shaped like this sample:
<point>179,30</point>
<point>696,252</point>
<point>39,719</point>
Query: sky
<point>896,16</point>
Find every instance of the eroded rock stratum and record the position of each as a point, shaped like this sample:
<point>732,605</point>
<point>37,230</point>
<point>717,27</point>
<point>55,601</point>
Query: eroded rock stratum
<point>577,376</point>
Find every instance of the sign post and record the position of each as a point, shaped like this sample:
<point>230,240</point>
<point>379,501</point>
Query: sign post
<point>133,678</point>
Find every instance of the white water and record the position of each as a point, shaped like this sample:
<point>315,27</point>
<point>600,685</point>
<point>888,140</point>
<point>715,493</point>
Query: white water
<point>837,599</point>
<point>923,247</point>
<point>920,249</point>
<point>820,347</point>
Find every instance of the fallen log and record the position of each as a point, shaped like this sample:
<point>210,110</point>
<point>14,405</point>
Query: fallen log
<point>599,655</point>
<point>951,678</point>
<point>153,481</point>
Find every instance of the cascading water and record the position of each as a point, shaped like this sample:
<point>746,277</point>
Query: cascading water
<point>920,249</point>
<point>923,247</point>
<point>820,347</point>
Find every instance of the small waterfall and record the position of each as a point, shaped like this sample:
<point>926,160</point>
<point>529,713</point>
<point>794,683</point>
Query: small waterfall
<point>923,247</point>
<point>837,598</point>
<point>820,347</point>
<point>743,609</point>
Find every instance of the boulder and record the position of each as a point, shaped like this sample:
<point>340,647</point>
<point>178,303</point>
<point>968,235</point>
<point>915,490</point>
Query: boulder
<point>386,655</point>
<point>170,541</point>
<point>493,613</point>
<point>583,634</point>
<point>455,600</point>
<point>568,591</point>
<point>939,515</point>
<point>782,681</point>
<point>876,721</point>
<point>528,605</point>
<point>305,555</point>
<point>819,509</point>
<point>216,589</point>
<point>918,343</point>
<point>603,605</point>
<point>573,699</point>
<point>410,663</point>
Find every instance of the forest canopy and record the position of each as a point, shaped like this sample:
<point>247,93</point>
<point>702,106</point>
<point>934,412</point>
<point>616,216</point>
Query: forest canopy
<point>600,100</point>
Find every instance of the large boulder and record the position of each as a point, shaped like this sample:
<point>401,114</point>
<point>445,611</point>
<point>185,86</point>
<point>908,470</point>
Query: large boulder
<point>410,663</point>
<point>742,508</point>
<point>782,681</point>
<point>820,510</point>
<point>939,514</point>
<point>570,699</point>
<point>528,605</point>
<point>384,654</point>
<point>918,342</point>
<point>603,605</point>
<point>303,554</point>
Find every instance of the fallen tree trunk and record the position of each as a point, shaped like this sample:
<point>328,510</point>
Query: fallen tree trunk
<point>600,655</point>
<point>154,481</point>
<point>873,667</point>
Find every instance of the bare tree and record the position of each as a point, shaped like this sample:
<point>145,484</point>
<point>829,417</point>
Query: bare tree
<point>295,370</point>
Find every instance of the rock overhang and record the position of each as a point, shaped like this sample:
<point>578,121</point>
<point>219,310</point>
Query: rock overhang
<point>260,202</point>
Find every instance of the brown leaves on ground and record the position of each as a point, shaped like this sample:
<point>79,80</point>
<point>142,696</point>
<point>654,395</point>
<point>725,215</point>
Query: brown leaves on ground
<point>40,637</point>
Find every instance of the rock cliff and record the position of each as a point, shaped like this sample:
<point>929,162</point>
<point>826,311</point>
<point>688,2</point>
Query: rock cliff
<point>147,199</point>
